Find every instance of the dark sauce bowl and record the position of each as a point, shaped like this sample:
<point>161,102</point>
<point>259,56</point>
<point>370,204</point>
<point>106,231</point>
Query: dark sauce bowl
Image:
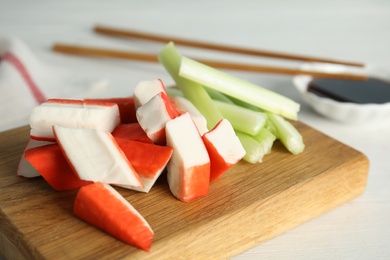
<point>356,108</point>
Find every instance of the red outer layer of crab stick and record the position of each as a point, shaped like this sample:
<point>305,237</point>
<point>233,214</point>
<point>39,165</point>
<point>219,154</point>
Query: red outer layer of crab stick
<point>25,169</point>
<point>223,154</point>
<point>148,160</point>
<point>131,131</point>
<point>103,207</point>
<point>51,164</point>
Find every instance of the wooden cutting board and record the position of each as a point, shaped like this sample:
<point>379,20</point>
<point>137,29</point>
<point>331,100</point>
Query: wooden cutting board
<point>250,204</point>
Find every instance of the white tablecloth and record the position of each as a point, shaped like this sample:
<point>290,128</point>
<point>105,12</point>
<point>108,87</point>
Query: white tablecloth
<point>352,30</point>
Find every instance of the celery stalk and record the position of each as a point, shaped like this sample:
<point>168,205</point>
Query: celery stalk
<point>240,89</point>
<point>287,134</point>
<point>242,119</point>
<point>174,92</point>
<point>266,140</point>
<point>271,128</point>
<point>245,104</point>
<point>216,95</point>
<point>253,149</point>
<point>195,92</point>
<point>257,146</point>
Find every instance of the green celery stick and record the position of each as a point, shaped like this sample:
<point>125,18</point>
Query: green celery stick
<point>287,134</point>
<point>266,140</point>
<point>174,92</point>
<point>195,92</point>
<point>240,89</point>
<point>254,152</point>
<point>216,95</point>
<point>271,128</point>
<point>245,104</point>
<point>242,119</point>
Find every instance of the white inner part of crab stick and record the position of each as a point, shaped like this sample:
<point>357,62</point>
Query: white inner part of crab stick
<point>148,184</point>
<point>184,105</point>
<point>147,89</point>
<point>43,117</point>
<point>153,115</point>
<point>95,156</point>
<point>226,142</point>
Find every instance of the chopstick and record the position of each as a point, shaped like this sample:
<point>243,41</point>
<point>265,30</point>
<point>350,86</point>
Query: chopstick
<point>108,53</point>
<point>218,47</point>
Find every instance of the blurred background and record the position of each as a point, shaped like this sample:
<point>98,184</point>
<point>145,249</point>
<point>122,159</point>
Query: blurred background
<point>351,30</point>
<point>355,30</point>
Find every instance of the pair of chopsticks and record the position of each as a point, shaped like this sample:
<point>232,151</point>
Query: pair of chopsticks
<point>100,52</point>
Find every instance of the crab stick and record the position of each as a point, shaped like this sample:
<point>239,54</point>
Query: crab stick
<point>25,169</point>
<point>95,156</point>
<point>153,116</point>
<point>184,105</point>
<point>131,131</point>
<point>51,164</point>
<point>125,105</point>
<point>223,147</point>
<point>147,89</point>
<point>103,207</point>
<point>189,168</point>
<point>72,113</point>
<point>148,160</point>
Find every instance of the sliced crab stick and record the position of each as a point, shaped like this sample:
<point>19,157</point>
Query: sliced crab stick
<point>153,116</point>
<point>72,113</point>
<point>126,108</point>
<point>189,168</point>
<point>95,156</point>
<point>149,160</point>
<point>224,148</point>
<point>184,105</point>
<point>131,131</point>
<point>147,89</point>
<point>103,207</point>
<point>25,169</point>
<point>51,164</point>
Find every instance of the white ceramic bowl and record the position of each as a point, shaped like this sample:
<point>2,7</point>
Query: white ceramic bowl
<point>343,111</point>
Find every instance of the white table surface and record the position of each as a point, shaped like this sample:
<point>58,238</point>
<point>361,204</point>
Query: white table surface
<point>356,30</point>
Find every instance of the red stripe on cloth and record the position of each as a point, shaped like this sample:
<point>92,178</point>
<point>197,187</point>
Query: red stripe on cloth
<point>19,66</point>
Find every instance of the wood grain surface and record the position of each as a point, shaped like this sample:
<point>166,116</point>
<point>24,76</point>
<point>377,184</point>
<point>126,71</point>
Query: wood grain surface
<point>250,204</point>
